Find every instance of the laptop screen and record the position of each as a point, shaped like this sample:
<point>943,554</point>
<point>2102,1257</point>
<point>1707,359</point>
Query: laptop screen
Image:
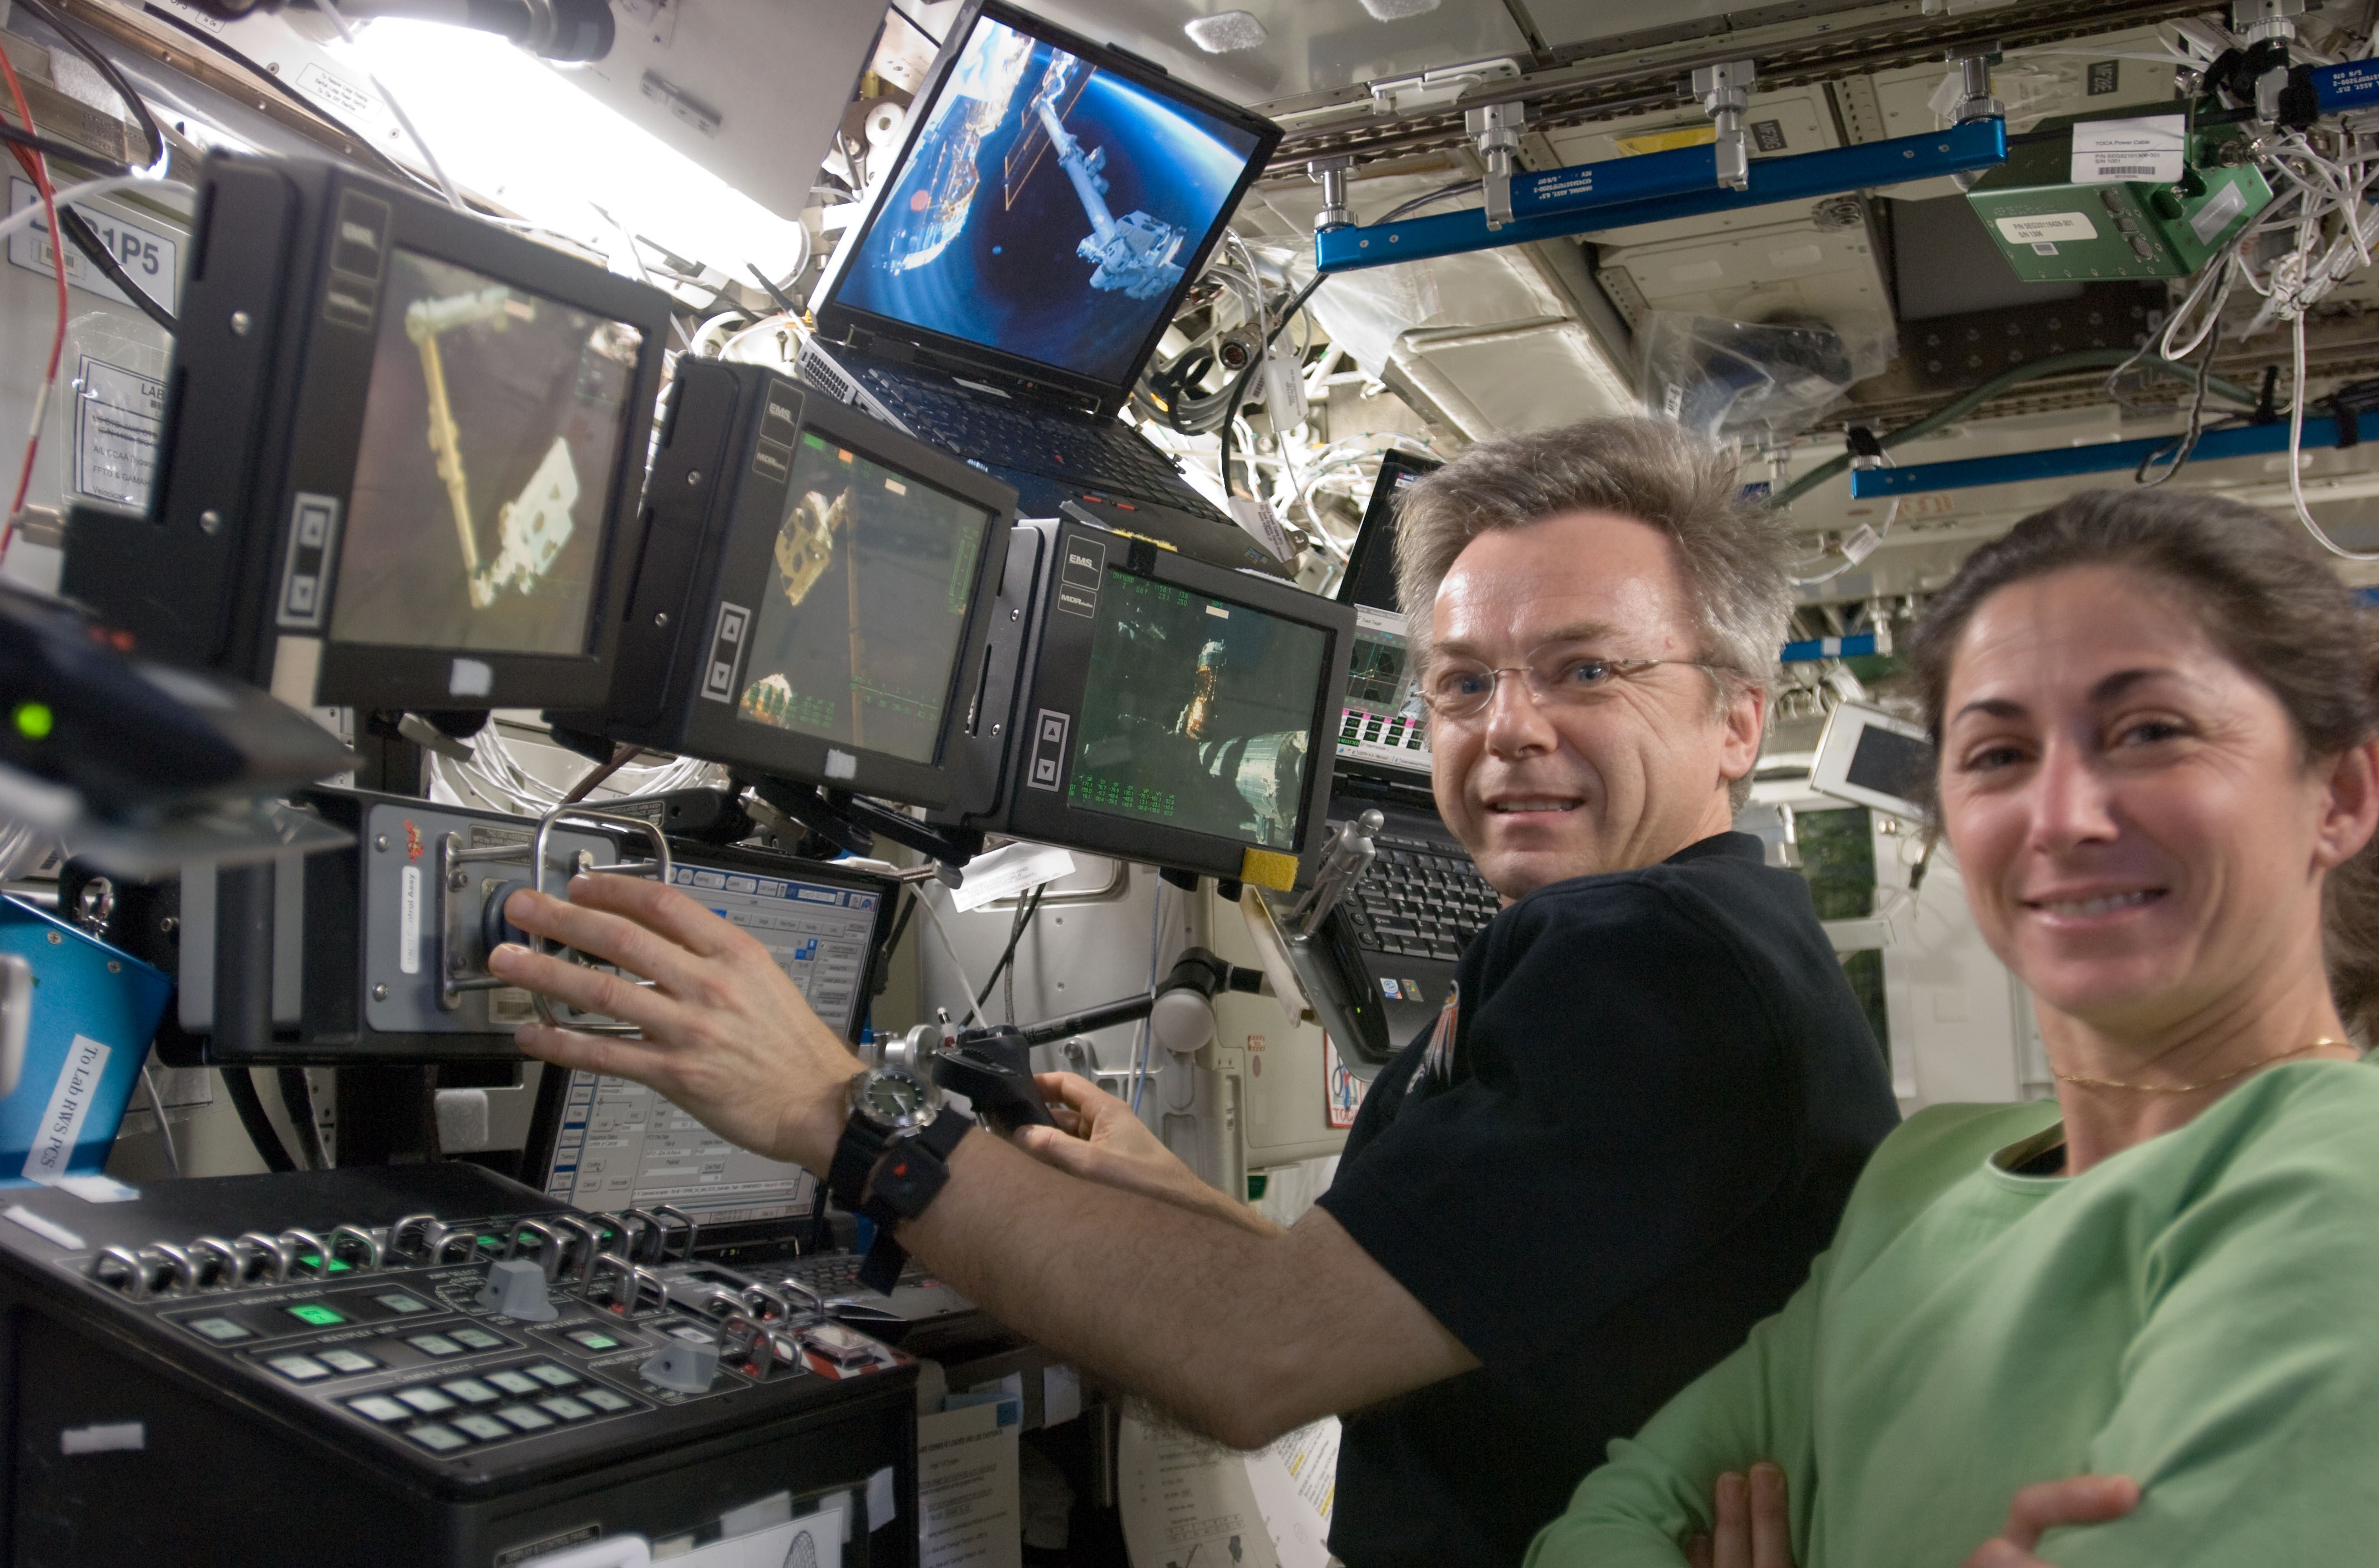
<point>1382,720</point>
<point>619,1144</point>
<point>1046,207</point>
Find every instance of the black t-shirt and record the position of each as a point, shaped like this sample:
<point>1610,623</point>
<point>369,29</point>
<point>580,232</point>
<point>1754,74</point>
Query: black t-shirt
<point>1661,1089</point>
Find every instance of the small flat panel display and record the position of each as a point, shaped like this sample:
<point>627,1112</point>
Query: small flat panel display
<point>1370,578</point>
<point>858,631</point>
<point>1874,758</point>
<point>621,1144</point>
<point>1198,713</point>
<point>1889,762</point>
<point>1047,209</point>
<point>1382,720</point>
<point>491,431</point>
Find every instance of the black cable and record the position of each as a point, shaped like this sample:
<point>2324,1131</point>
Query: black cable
<point>784,302</point>
<point>66,149</point>
<point>1460,188</point>
<point>298,1099</point>
<point>1239,387</point>
<point>250,1106</point>
<point>1025,909</point>
<point>71,224</point>
<point>2187,445</point>
<point>892,943</point>
<point>914,22</point>
<point>115,79</point>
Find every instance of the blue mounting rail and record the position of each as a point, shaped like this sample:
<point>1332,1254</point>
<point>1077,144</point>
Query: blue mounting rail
<point>2064,461</point>
<point>1682,183</point>
<point>1858,645</point>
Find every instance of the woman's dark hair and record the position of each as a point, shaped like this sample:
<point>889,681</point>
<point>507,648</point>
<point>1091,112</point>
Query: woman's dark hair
<point>2269,601</point>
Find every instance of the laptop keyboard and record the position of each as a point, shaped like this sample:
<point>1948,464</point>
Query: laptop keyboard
<point>837,1274</point>
<point>1420,900</point>
<point>1099,454</point>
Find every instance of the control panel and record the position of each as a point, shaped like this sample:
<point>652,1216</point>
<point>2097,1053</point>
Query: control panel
<point>450,1334</point>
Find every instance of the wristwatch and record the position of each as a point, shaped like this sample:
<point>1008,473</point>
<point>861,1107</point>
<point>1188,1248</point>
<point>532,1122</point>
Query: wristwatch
<point>878,1104</point>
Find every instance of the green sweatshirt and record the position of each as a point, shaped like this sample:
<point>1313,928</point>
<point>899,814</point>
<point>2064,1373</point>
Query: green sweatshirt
<point>2199,1312</point>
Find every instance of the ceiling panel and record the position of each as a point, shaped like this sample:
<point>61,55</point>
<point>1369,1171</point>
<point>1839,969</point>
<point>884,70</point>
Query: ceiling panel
<point>1311,45</point>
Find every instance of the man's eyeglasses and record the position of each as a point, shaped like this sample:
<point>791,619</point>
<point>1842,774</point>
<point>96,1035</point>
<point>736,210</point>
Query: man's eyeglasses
<point>1460,690</point>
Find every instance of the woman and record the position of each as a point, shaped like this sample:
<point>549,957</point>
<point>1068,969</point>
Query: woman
<point>2132,1326</point>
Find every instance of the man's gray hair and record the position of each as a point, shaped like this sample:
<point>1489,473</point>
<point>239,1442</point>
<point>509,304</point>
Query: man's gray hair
<point>1731,552</point>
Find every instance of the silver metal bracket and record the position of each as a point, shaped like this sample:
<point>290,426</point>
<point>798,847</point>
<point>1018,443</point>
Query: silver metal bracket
<point>1348,857</point>
<point>1725,93</point>
<point>1329,174</point>
<point>1497,126</point>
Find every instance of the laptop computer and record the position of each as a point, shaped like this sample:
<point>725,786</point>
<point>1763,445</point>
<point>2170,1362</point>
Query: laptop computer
<point>1397,935</point>
<point>1052,201</point>
<point>605,1144</point>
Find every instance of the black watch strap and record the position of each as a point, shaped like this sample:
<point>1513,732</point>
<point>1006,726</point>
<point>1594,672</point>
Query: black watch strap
<point>909,1175</point>
<point>855,1154</point>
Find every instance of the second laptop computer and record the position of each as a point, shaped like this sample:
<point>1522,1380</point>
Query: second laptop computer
<point>1053,203</point>
<point>1397,936</point>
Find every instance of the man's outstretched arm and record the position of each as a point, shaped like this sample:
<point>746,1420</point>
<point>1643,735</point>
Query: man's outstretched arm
<point>1159,1298</point>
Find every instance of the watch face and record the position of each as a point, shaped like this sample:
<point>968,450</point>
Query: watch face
<point>892,1097</point>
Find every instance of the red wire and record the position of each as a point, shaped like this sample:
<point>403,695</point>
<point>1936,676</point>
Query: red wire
<point>37,166</point>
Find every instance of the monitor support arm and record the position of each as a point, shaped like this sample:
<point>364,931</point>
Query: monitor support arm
<point>853,823</point>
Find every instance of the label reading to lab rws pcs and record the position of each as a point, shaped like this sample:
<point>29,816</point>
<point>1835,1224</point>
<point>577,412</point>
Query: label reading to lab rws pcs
<point>149,257</point>
<point>118,414</point>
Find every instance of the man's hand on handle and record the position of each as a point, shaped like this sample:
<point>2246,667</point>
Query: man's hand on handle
<point>1099,1138</point>
<point>1752,1526</point>
<point>727,1035</point>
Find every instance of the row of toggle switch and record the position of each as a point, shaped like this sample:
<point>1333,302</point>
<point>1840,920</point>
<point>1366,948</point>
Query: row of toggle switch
<point>557,1243</point>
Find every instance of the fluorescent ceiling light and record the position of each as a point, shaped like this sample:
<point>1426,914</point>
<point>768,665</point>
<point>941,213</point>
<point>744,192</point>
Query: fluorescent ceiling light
<point>516,130</point>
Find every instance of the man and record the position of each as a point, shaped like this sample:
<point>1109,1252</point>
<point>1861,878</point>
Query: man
<point>1618,1149</point>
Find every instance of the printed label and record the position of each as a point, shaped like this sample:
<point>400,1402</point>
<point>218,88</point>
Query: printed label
<point>149,258</point>
<point>1079,575</point>
<point>2107,151</point>
<point>2052,228</point>
<point>1342,1091</point>
<point>61,1125</point>
<point>1255,519</point>
<point>118,413</point>
<point>408,920</point>
<point>2216,215</point>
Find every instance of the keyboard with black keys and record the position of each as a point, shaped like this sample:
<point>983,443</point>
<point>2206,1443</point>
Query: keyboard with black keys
<point>1420,900</point>
<point>1100,453</point>
<point>918,1299</point>
<point>834,1274</point>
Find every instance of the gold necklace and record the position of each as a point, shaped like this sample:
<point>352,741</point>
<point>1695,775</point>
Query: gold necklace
<point>2192,1088</point>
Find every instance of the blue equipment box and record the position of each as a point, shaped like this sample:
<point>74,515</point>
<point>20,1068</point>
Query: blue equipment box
<point>94,1010</point>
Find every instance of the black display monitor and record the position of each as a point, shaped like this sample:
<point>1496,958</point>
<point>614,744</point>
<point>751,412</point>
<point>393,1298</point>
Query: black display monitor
<point>1370,579</point>
<point>401,457</point>
<point>814,601</point>
<point>1165,710</point>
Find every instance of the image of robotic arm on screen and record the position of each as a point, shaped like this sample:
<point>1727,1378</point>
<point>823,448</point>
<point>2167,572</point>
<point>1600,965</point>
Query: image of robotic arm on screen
<point>506,382</point>
<point>1135,253</point>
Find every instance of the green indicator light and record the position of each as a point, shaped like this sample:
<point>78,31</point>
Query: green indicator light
<point>34,720</point>
<point>318,1316</point>
<point>341,1266</point>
